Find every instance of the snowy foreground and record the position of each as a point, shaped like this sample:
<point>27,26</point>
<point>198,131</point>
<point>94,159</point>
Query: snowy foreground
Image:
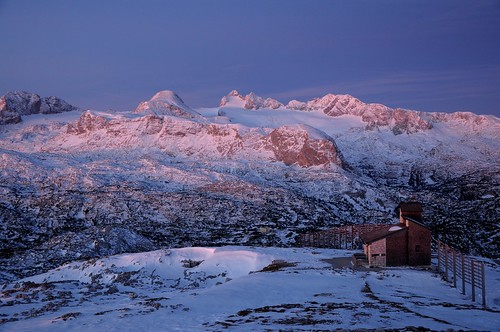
<point>240,289</point>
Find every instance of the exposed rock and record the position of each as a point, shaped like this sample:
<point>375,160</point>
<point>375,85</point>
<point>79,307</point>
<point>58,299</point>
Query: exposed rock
<point>16,104</point>
<point>250,102</point>
<point>301,145</point>
<point>295,145</point>
<point>337,105</point>
<point>375,115</point>
<point>88,122</point>
<point>23,103</point>
<point>296,105</point>
<point>234,94</point>
<point>7,115</point>
<point>53,105</point>
<point>408,122</point>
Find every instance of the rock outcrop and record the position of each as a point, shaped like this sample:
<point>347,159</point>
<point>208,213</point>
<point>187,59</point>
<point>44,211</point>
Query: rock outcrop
<point>374,115</point>
<point>250,102</point>
<point>16,104</point>
<point>299,145</point>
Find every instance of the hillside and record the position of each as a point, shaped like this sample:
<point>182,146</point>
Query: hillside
<point>253,171</point>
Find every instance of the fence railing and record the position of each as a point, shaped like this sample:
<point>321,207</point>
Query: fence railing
<point>343,237</point>
<point>455,265</point>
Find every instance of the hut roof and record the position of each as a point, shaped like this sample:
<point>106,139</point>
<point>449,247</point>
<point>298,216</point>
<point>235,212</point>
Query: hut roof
<point>379,234</point>
<point>416,221</point>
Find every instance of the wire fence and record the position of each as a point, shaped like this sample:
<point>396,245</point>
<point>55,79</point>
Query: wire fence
<point>456,266</point>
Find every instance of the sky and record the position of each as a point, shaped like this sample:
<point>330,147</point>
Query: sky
<point>427,55</point>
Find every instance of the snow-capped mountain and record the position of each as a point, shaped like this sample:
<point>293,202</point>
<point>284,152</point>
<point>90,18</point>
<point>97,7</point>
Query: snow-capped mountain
<point>374,115</point>
<point>15,104</point>
<point>250,102</point>
<point>253,171</point>
<point>167,103</point>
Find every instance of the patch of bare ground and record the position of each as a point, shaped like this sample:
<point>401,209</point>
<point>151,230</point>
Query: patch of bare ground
<point>277,265</point>
<point>67,316</point>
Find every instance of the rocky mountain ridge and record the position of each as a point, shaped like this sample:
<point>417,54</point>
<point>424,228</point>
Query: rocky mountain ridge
<point>374,115</point>
<point>250,102</point>
<point>174,136</point>
<point>87,184</point>
<point>15,104</point>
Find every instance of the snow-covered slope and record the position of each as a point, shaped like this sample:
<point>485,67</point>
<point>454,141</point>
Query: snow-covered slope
<point>293,145</point>
<point>240,289</point>
<point>251,171</point>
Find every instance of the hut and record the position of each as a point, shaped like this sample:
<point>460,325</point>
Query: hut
<point>406,243</point>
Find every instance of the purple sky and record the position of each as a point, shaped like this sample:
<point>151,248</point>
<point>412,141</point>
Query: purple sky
<point>426,55</point>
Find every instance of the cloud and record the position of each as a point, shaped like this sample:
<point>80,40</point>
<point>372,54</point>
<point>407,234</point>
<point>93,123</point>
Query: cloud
<point>474,82</point>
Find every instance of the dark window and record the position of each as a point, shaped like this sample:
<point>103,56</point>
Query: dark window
<point>417,248</point>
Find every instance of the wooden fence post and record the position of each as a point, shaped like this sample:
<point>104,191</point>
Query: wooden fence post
<point>461,265</point>
<point>483,286</point>
<point>439,256</point>
<point>446,261</point>
<point>352,238</point>
<point>473,281</point>
<point>463,273</point>
<point>454,269</point>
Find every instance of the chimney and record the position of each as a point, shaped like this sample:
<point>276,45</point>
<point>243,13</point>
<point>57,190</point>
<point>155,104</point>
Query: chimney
<point>411,210</point>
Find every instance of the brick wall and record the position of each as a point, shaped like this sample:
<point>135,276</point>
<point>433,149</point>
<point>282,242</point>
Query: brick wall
<point>419,244</point>
<point>376,253</point>
<point>397,253</point>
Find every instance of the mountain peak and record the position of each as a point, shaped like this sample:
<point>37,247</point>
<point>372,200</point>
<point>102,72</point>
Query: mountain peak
<point>250,101</point>
<point>234,93</point>
<point>167,102</point>
<point>169,96</point>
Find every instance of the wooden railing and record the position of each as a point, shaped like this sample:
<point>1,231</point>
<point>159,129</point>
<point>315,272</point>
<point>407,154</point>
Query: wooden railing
<point>455,265</point>
<point>343,237</point>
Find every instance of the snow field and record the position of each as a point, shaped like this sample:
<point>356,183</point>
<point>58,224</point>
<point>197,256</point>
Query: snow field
<point>210,289</point>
